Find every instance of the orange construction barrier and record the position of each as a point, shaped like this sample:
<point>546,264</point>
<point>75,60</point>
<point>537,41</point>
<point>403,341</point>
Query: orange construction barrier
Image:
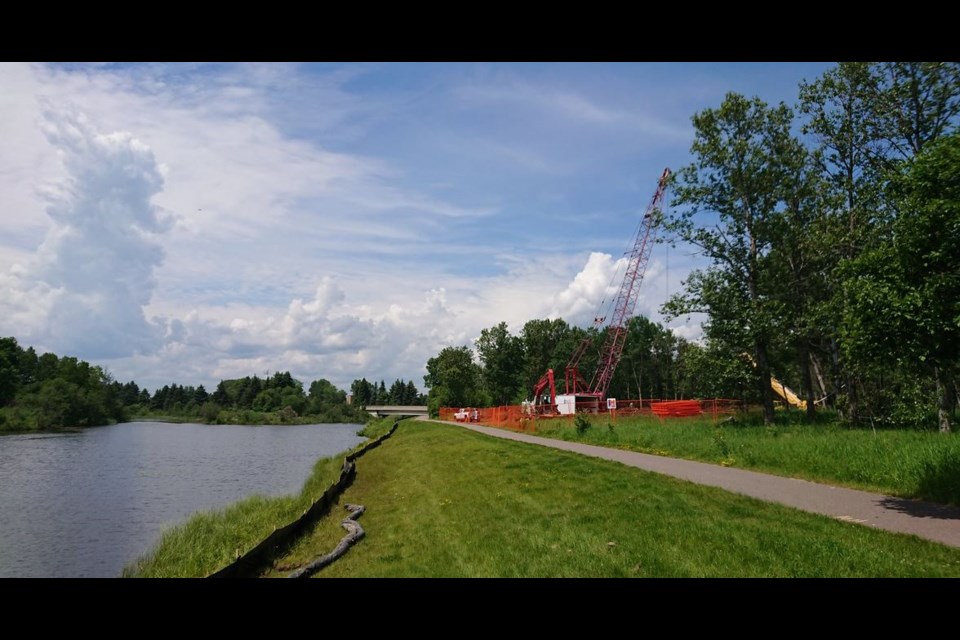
<point>676,409</point>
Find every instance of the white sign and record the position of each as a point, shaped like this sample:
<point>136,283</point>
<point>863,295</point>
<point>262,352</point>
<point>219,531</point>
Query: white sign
<point>611,404</point>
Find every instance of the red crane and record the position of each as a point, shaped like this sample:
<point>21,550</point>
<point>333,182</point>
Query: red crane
<point>623,308</point>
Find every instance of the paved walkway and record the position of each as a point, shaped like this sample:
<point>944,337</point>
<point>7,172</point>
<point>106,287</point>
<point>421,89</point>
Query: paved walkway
<point>924,519</point>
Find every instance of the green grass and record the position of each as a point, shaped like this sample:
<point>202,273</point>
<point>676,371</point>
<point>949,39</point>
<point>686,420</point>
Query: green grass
<point>210,540</point>
<point>901,462</point>
<point>443,501</point>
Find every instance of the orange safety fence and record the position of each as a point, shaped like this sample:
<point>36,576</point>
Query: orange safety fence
<point>507,416</point>
<point>520,418</point>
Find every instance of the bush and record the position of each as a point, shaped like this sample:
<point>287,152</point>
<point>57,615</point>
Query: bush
<point>581,424</point>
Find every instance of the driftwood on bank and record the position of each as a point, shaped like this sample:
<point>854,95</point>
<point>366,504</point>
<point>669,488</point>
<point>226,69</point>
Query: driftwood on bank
<point>354,533</point>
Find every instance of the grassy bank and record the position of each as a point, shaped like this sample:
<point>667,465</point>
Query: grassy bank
<point>906,463</point>
<point>442,501</point>
<point>210,540</point>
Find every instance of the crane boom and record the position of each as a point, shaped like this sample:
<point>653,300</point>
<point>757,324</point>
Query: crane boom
<point>626,302</point>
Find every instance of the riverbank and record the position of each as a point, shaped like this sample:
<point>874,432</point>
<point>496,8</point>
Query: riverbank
<point>209,540</point>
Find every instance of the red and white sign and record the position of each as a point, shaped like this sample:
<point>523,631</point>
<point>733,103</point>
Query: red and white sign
<point>611,404</point>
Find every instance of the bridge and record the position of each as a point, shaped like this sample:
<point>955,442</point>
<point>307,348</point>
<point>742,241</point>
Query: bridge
<point>381,411</point>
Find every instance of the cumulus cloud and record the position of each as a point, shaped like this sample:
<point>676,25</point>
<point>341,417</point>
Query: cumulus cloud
<point>85,288</point>
<point>580,301</point>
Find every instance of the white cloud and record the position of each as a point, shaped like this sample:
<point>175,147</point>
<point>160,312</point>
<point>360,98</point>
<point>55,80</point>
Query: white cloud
<point>581,301</point>
<point>87,285</point>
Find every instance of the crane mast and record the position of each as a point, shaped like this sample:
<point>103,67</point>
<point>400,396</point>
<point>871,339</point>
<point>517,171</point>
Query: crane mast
<point>626,303</point>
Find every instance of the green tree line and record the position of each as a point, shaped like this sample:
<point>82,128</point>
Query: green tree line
<point>48,392</point>
<point>400,393</point>
<point>503,368</point>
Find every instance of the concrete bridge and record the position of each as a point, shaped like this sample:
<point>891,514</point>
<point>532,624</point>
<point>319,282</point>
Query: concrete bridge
<point>381,411</point>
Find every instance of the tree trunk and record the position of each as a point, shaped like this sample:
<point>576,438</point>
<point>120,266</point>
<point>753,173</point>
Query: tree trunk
<point>835,374</point>
<point>806,379</point>
<point>944,399</point>
<point>816,370</point>
<point>763,374</point>
<point>853,401</point>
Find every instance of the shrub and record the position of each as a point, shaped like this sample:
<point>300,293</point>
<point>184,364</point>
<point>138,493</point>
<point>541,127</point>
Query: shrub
<point>581,424</point>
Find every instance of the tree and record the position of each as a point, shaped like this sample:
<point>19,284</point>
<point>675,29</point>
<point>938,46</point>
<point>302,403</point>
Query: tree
<point>9,370</point>
<point>47,366</point>
<point>905,294</point>
<point>919,104</point>
<point>29,365</point>
<point>324,395</point>
<point>268,400</point>
<point>412,394</point>
<point>453,380</point>
<point>798,262</point>
<point>842,107</point>
<point>398,392</point>
<point>502,358</point>
<point>220,395</point>
<point>735,175</point>
<point>542,342</point>
<point>362,392</point>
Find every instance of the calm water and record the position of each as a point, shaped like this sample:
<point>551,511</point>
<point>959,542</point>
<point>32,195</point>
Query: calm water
<point>86,504</point>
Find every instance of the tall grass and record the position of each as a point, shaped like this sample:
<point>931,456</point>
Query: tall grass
<point>443,501</point>
<point>903,462</point>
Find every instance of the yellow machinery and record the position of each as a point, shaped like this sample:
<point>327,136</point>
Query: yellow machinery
<point>781,389</point>
<point>787,393</point>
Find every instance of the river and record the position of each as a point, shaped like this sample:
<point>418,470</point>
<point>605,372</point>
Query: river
<point>86,504</point>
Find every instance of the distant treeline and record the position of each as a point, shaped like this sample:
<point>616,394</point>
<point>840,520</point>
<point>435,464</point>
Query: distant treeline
<point>48,392</point>
<point>400,393</point>
<point>655,364</point>
<point>275,399</point>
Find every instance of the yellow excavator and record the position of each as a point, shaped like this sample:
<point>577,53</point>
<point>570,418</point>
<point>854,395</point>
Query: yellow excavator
<point>781,389</point>
<point>787,393</point>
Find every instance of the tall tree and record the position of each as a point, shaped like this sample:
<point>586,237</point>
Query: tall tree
<point>323,395</point>
<point>542,346</point>
<point>412,394</point>
<point>501,355</point>
<point>9,369</point>
<point>453,379</point>
<point>734,182</point>
<point>905,294</point>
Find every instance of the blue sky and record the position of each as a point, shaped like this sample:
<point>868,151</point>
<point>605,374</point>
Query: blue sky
<point>192,222</point>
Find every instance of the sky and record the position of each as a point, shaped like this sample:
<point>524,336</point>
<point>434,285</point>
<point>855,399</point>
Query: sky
<point>196,222</point>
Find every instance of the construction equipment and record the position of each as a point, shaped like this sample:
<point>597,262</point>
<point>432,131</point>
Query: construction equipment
<point>787,394</point>
<point>638,255</point>
<point>538,389</point>
<point>781,389</point>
